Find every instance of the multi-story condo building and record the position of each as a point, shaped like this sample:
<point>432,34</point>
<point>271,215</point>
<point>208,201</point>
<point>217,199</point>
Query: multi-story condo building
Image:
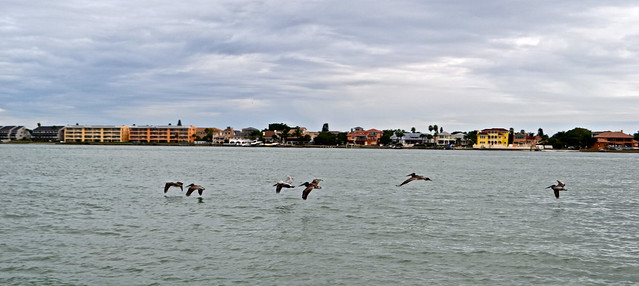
<point>8,133</point>
<point>162,134</point>
<point>492,138</point>
<point>48,133</point>
<point>96,133</point>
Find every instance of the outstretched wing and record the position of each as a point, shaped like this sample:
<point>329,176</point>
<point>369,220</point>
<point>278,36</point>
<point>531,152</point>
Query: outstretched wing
<point>306,192</point>
<point>279,188</point>
<point>190,191</point>
<point>560,184</point>
<point>556,193</point>
<point>200,191</point>
<point>407,181</point>
<point>166,187</point>
<point>289,180</point>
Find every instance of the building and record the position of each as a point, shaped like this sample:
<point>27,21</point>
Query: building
<point>359,136</point>
<point>445,139</point>
<point>204,132</point>
<point>48,133</point>
<point>616,140</point>
<point>9,133</point>
<point>224,136</point>
<point>410,139</point>
<point>525,140</point>
<point>162,134</point>
<point>492,138</point>
<point>96,133</point>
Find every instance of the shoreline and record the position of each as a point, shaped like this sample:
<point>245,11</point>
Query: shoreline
<point>314,146</point>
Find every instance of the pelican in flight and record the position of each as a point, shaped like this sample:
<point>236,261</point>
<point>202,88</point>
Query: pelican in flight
<point>173,184</point>
<point>288,183</point>
<point>309,187</point>
<point>413,177</point>
<point>193,188</point>
<point>560,186</point>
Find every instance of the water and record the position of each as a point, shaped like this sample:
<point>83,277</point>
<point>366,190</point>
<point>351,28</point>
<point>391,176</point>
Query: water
<point>97,215</point>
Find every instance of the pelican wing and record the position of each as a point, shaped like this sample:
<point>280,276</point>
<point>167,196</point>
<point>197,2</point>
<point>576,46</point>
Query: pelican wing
<point>190,190</point>
<point>289,180</point>
<point>407,181</point>
<point>278,189</point>
<point>560,184</point>
<point>556,193</point>
<point>166,187</point>
<point>306,192</point>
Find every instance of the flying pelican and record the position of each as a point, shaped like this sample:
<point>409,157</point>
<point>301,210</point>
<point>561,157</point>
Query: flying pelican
<point>193,188</point>
<point>172,184</point>
<point>288,183</point>
<point>414,177</point>
<point>309,187</point>
<point>560,186</point>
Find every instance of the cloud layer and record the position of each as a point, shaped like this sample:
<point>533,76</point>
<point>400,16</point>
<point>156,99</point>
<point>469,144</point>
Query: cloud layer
<point>376,64</point>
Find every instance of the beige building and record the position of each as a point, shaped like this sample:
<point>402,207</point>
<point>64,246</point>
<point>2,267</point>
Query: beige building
<point>162,134</point>
<point>96,133</point>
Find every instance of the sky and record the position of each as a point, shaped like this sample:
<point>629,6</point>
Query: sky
<point>463,65</point>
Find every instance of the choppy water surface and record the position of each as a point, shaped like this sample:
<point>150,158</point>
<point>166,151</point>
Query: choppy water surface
<point>97,215</point>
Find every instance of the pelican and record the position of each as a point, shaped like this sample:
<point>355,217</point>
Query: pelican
<point>309,187</point>
<point>560,186</point>
<point>414,177</point>
<point>288,183</point>
<point>172,184</point>
<point>193,188</point>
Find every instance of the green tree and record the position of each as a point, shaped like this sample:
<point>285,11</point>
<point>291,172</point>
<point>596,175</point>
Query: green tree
<point>471,137</point>
<point>278,126</point>
<point>574,138</point>
<point>386,135</point>
<point>636,135</point>
<point>412,129</point>
<point>326,138</point>
<point>179,122</point>
<point>430,128</point>
<point>325,127</point>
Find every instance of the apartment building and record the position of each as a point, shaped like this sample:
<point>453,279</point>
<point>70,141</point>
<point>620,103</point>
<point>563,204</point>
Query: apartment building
<point>96,133</point>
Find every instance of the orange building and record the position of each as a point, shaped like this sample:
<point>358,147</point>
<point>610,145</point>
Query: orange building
<point>359,136</point>
<point>162,134</point>
<point>615,140</point>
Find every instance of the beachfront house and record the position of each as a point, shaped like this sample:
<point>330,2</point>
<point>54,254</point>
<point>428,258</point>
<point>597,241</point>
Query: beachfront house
<point>492,138</point>
<point>9,133</point>
<point>615,140</point>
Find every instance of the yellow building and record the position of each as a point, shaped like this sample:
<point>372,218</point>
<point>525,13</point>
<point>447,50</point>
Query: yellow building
<point>492,138</point>
<point>162,134</point>
<point>96,133</point>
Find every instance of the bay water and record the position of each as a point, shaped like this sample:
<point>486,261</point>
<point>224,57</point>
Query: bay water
<point>97,215</point>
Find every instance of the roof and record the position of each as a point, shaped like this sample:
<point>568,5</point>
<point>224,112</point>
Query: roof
<point>617,134</point>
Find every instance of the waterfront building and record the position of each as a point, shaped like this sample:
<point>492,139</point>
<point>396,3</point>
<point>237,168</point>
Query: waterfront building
<point>96,133</point>
<point>410,139</point>
<point>492,138</point>
<point>608,139</point>
<point>525,140</point>
<point>48,133</point>
<point>359,136</point>
<point>162,134</point>
<point>9,133</point>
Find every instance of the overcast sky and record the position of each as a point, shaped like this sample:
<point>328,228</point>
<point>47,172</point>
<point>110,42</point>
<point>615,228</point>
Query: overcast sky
<point>462,65</point>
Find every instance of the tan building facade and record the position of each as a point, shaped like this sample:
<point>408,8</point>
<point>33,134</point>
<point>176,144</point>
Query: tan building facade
<point>96,133</point>
<point>162,134</point>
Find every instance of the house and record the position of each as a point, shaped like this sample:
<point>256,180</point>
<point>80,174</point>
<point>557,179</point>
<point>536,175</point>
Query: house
<point>608,139</point>
<point>223,136</point>
<point>359,136</point>
<point>203,132</point>
<point>162,134</point>
<point>445,139</point>
<point>492,138</point>
<point>410,139</point>
<point>460,138</point>
<point>48,133</point>
<point>96,133</point>
<point>525,140</point>
<point>8,133</point>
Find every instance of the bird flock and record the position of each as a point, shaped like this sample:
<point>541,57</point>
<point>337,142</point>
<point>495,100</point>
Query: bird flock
<point>314,184</point>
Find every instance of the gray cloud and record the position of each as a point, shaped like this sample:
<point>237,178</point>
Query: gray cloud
<point>376,64</point>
